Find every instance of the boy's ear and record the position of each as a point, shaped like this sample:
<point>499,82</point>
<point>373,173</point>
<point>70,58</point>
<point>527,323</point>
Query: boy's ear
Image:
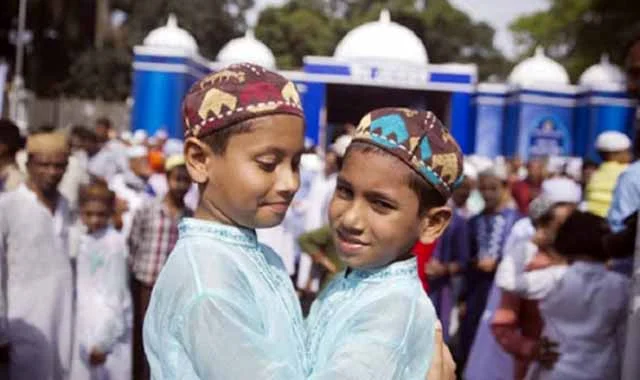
<point>197,156</point>
<point>433,224</point>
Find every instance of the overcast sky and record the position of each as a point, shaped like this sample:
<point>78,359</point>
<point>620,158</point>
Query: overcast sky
<point>498,13</point>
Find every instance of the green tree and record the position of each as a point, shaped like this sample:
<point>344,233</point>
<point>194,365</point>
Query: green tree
<point>577,32</point>
<point>306,27</point>
<point>296,30</point>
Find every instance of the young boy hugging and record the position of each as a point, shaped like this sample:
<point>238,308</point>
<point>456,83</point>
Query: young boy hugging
<point>223,306</point>
<point>374,321</point>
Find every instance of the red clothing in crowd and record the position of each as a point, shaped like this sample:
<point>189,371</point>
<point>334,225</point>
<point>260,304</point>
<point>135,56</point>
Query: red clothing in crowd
<point>523,193</point>
<point>423,252</point>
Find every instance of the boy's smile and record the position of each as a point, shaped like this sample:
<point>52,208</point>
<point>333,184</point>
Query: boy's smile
<point>374,212</point>
<point>252,183</point>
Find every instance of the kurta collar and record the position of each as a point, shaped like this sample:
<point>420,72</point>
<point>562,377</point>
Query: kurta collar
<point>226,233</point>
<point>403,268</point>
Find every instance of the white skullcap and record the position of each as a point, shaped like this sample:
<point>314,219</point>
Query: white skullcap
<point>139,136</point>
<point>555,164</point>
<point>161,134</point>
<point>469,171</point>
<point>612,141</point>
<point>562,190</point>
<point>340,146</point>
<point>173,147</point>
<point>137,151</point>
<point>311,162</point>
<point>480,163</point>
<point>574,168</point>
<point>126,136</point>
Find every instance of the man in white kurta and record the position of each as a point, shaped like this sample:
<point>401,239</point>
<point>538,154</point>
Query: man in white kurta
<point>35,271</point>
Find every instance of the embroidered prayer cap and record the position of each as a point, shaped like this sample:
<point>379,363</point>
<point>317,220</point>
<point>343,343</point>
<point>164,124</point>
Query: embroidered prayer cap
<point>420,140</point>
<point>235,94</point>
<point>47,142</point>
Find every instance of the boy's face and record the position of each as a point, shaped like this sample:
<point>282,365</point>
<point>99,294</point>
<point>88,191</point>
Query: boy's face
<point>492,190</point>
<point>374,213</point>
<point>253,182</point>
<point>461,194</point>
<point>179,182</point>
<point>95,215</point>
<point>141,167</point>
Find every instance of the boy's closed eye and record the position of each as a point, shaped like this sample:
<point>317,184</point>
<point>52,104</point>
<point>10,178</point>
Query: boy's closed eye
<point>343,190</point>
<point>268,162</point>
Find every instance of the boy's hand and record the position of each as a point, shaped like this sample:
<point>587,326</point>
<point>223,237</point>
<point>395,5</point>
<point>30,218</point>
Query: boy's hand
<point>97,357</point>
<point>442,365</point>
<point>328,265</point>
<point>435,268</point>
<point>487,265</point>
<point>454,268</point>
<point>546,353</point>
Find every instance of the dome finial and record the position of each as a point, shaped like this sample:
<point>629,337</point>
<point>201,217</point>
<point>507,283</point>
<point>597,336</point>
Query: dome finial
<point>385,16</point>
<point>250,34</point>
<point>172,20</point>
<point>539,51</point>
<point>604,59</point>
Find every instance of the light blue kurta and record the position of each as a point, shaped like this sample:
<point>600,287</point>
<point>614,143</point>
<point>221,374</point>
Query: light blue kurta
<point>376,324</point>
<point>223,307</point>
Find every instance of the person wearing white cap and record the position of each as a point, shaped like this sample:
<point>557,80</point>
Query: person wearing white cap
<point>132,185</point>
<point>615,149</point>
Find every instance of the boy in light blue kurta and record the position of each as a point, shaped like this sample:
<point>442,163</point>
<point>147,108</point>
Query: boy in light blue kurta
<point>374,321</point>
<point>223,306</point>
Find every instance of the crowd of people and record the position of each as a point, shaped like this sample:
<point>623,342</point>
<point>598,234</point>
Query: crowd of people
<point>126,256</point>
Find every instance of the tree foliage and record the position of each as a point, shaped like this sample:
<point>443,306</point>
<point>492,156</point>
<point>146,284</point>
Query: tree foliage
<point>577,32</point>
<point>307,27</point>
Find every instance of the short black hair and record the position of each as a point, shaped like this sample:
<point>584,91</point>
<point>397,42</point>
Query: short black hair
<point>582,234</point>
<point>589,163</point>
<point>10,136</point>
<point>44,128</point>
<point>104,121</point>
<point>83,132</point>
<point>428,196</point>
<point>219,140</point>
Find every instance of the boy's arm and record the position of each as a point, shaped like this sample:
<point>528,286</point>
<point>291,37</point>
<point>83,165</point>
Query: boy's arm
<point>382,345</point>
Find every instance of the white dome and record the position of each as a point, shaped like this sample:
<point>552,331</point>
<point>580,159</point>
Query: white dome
<point>382,40</point>
<point>602,73</point>
<point>537,70</point>
<point>172,36</point>
<point>247,49</point>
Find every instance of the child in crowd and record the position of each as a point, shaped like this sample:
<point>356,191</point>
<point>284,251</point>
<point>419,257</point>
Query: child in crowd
<point>223,306</point>
<point>374,321</point>
<point>584,306</point>
<point>487,233</point>
<point>101,349</point>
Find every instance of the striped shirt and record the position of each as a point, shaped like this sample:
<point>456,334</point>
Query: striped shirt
<point>154,233</point>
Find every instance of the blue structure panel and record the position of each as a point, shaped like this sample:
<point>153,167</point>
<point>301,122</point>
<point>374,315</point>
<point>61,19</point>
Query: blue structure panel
<point>461,116</point>
<point>157,101</point>
<point>490,119</point>
<point>313,97</point>
<point>545,131</point>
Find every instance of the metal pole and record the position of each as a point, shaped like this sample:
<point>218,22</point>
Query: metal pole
<point>22,18</point>
<point>17,111</point>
